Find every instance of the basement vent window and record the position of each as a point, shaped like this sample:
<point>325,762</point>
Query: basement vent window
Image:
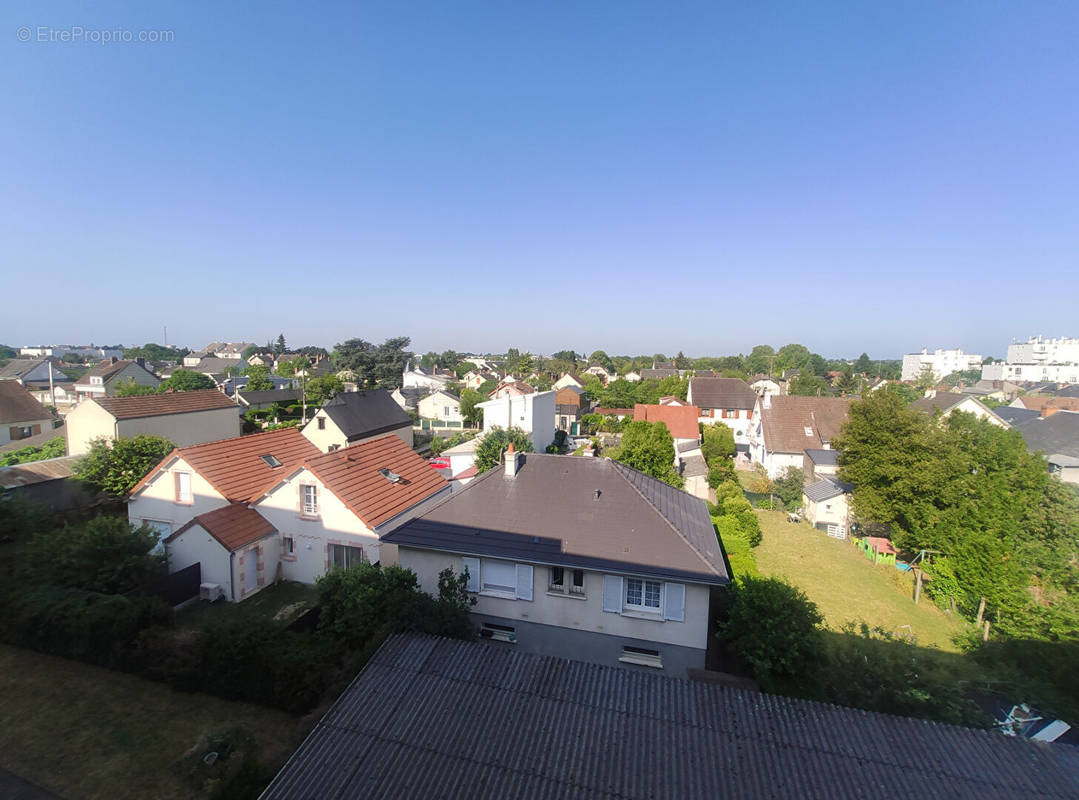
<point>271,460</point>
<point>642,656</point>
<point>392,477</point>
<point>499,633</point>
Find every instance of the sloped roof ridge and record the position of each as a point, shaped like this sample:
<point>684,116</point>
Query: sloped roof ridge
<point>620,470</point>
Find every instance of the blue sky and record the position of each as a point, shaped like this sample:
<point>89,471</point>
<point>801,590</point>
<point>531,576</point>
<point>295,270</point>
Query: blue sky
<point>633,177</point>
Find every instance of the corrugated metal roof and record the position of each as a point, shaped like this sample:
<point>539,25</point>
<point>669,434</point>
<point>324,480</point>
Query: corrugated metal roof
<point>439,718</point>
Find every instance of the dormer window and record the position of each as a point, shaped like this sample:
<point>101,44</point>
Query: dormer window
<point>271,460</point>
<point>96,380</point>
<point>809,431</point>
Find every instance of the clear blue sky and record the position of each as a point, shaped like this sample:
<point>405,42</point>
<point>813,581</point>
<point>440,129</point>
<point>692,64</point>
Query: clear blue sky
<point>633,177</point>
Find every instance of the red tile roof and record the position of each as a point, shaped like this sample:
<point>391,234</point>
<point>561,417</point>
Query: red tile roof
<point>681,421</point>
<point>1040,403</point>
<point>624,412</point>
<point>235,467</point>
<point>154,405</point>
<point>792,424</point>
<point>353,475</point>
<point>233,526</point>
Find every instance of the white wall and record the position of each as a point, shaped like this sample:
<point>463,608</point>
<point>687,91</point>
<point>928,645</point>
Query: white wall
<point>196,546</point>
<point>1049,373</point>
<point>434,406</point>
<point>86,422</point>
<point>157,500</point>
<point>1039,350</point>
<point>833,511</point>
<point>332,435</point>
<point>942,362</point>
<point>567,611</point>
<point>534,413</point>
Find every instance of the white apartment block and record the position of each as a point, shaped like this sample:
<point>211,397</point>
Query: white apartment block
<point>1038,359</point>
<point>942,362</point>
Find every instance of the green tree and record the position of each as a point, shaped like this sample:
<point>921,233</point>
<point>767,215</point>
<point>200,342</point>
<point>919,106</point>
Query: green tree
<point>717,442</point>
<point>279,345</point>
<point>681,361</point>
<point>494,443</point>
<point>649,448</point>
<point>389,360</point>
<point>470,410</point>
<point>847,382</point>
<point>760,360</point>
<point>789,485</point>
<point>183,380</point>
<point>600,357</point>
<point>808,386</point>
<point>774,628</point>
<point>128,388</point>
<point>258,378</point>
<point>356,355</point>
<point>793,356</point>
<point>325,387</point>
<point>115,467</point>
<point>967,377</point>
<point>105,554</point>
<point>54,448</point>
<point>864,365</point>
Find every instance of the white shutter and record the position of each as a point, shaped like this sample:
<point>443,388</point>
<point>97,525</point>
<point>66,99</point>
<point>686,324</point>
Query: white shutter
<point>524,581</point>
<point>674,602</point>
<point>473,567</point>
<point>612,594</point>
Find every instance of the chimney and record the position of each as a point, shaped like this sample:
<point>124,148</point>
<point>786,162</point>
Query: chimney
<point>141,361</point>
<point>513,461</point>
<point>1048,411</point>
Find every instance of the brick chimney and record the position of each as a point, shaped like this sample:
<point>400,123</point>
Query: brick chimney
<point>1048,411</point>
<point>513,461</point>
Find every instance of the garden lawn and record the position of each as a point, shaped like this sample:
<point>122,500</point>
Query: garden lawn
<point>87,732</point>
<point>282,602</point>
<point>845,585</point>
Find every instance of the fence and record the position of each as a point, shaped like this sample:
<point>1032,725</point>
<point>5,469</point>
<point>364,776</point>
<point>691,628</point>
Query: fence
<point>178,587</point>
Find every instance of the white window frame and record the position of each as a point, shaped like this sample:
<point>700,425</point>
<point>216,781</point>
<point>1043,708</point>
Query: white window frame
<point>480,582</point>
<point>347,554</point>
<point>183,498</point>
<point>288,547</point>
<point>309,505</point>
<point>643,607</point>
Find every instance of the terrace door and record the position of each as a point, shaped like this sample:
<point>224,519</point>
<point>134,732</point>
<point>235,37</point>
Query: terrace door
<point>251,571</point>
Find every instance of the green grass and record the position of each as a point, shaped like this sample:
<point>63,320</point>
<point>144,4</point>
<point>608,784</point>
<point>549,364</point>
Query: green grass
<point>86,732</point>
<point>282,602</point>
<point>846,586</point>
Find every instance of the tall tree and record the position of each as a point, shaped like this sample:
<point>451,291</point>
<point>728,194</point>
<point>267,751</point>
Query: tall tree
<point>185,380</point>
<point>494,443</point>
<point>649,448</point>
<point>258,378</point>
<point>600,357</point>
<point>324,387</point>
<point>128,388</point>
<point>470,400</point>
<point>115,467</point>
<point>279,345</point>
<point>356,355</point>
<point>864,365</point>
<point>760,360</point>
<point>793,356</point>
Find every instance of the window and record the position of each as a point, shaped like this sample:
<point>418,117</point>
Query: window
<point>321,423</point>
<point>565,581</point>
<point>499,577</point>
<point>809,431</point>
<point>642,656</point>
<point>577,586</point>
<point>288,547</point>
<point>494,578</point>
<point>95,380</point>
<point>271,460</point>
<point>309,500</point>
<point>183,487</point>
<point>643,595</point>
<point>344,556</point>
<point>500,633</point>
<point>557,582</point>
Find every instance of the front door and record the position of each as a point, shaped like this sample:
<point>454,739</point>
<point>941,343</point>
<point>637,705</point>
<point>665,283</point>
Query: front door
<point>251,571</point>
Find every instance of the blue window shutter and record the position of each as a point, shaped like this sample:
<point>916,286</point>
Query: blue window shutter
<point>674,602</point>
<point>473,567</point>
<point>612,594</point>
<point>524,581</point>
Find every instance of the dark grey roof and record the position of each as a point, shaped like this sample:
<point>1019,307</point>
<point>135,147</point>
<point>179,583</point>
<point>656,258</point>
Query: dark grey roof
<point>721,393</point>
<point>658,373</point>
<point>211,365</point>
<point>825,489</point>
<point>411,395</point>
<point>1014,415</point>
<point>439,718</point>
<point>367,413</point>
<point>270,396</point>
<point>18,367</point>
<point>942,401</point>
<point>823,458</point>
<point>1057,434</point>
<point>1068,391</point>
<point>549,514</point>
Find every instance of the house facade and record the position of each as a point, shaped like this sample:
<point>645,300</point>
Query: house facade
<point>184,418</point>
<point>826,506</point>
<point>784,427</point>
<point>353,417</point>
<point>443,408</point>
<point>102,379</point>
<point>619,571</point>
<point>21,415</point>
<point>533,413</point>
<point>415,376</point>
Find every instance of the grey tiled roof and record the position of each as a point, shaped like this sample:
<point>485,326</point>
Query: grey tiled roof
<point>823,458</point>
<point>1057,434</point>
<point>440,718</point>
<point>1015,416</point>
<point>367,413</point>
<point>825,489</point>
<point>550,514</point>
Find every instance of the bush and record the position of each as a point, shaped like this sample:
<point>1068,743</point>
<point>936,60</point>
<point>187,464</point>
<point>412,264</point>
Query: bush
<point>789,487</point>
<point>734,516</point>
<point>720,471</point>
<point>78,624</point>
<point>116,466</point>
<point>772,626</point>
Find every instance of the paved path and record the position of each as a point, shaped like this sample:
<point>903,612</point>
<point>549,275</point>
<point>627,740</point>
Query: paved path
<point>12,787</point>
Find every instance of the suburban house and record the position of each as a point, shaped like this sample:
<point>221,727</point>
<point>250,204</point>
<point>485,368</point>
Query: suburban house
<point>33,373</point>
<point>414,376</point>
<point>255,508</point>
<point>352,417</point>
<point>820,463</point>
<point>600,372</point>
<point>184,418</point>
<point>195,480</point>
<point>659,373</point>
<point>21,416</point>
<point>681,421</point>
<point>232,351</point>
<point>266,398</point>
<point>568,379</point>
<point>784,427</point>
<point>632,376</point>
<point>766,385</point>
<point>1054,433</point>
<point>408,397</point>
<point>570,404</point>
<point>826,506</point>
<point>474,379</point>
<point>462,458</point>
<point>102,379</point>
<point>947,402</point>
<point>443,408</point>
<point>727,400</point>
<point>217,369</point>
<point>532,413</point>
<point>584,558</point>
<point>435,717</point>
<point>511,387</point>
<point>61,395</point>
